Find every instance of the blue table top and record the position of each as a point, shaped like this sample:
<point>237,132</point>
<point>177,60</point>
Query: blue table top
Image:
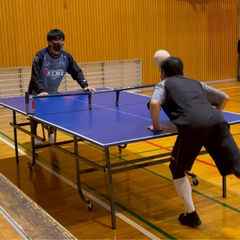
<point>106,124</point>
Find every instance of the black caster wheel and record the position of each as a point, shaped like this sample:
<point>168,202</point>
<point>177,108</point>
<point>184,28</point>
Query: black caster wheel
<point>89,206</point>
<point>195,181</point>
<point>120,147</point>
<point>30,167</point>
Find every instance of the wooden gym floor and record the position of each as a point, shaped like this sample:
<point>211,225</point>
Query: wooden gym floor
<point>146,202</point>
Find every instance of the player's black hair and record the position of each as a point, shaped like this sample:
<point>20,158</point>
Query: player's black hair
<point>55,34</point>
<point>172,66</point>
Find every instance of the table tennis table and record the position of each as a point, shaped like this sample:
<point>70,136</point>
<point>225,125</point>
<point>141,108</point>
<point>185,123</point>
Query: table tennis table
<point>112,118</point>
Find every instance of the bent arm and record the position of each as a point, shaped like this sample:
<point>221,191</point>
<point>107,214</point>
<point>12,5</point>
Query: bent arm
<point>224,102</point>
<point>76,73</point>
<point>216,97</point>
<point>35,84</point>
<point>154,108</point>
<point>158,98</point>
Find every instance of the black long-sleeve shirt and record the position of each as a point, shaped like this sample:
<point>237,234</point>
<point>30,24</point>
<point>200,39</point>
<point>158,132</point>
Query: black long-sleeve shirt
<point>48,72</point>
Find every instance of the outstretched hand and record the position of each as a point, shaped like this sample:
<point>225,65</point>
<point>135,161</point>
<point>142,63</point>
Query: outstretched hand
<point>160,128</point>
<point>42,94</point>
<point>89,89</point>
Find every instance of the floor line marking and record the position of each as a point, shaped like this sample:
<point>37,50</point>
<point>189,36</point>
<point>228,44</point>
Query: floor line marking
<point>124,218</point>
<point>15,226</point>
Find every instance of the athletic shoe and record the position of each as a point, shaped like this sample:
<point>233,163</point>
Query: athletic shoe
<point>51,138</point>
<point>189,219</point>
<point>37,142</point>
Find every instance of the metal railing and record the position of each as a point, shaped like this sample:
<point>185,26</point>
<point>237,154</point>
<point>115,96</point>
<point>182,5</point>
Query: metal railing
<point>114,74</point>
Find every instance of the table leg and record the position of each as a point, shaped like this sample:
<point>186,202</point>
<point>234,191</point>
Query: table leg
<point>224,186</point>
<point>31,164</point>
<point>15,137</point>
<point>79,187</point>
<point>109,171</point>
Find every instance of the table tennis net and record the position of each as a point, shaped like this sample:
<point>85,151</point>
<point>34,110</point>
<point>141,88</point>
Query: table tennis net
<point>61,103</point>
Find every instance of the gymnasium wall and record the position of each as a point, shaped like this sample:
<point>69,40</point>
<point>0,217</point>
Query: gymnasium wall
<point>204,33</point>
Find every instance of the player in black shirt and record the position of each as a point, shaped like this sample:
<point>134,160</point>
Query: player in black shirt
<point>49,67</point>
<point>189,105</point>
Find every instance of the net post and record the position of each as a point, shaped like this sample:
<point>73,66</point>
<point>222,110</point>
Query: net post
<point>90,101</point>
<point>27,102</point>
<point>33,107</point>
<point>27,98</point>
<point>117,97</point>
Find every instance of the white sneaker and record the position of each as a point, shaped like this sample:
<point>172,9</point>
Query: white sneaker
<point>37,142</point>
<point>51,138</point>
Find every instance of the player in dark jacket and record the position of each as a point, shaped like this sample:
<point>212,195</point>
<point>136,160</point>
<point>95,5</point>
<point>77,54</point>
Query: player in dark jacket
<point>50,65</point>
<point>189,105</point>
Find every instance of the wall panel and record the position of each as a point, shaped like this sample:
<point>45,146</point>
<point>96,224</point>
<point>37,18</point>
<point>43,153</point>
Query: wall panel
<point>204,33</point>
